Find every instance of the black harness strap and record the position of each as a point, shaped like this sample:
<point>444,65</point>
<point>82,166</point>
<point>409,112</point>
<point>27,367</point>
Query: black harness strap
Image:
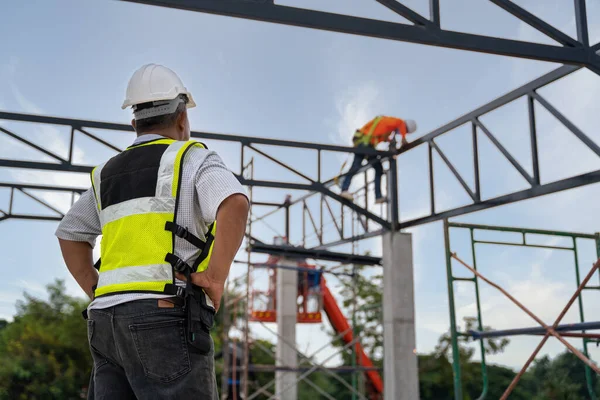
<point>185,234</point>
<point>209,241</point>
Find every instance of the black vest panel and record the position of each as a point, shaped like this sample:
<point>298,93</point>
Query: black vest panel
<point>131,174</point>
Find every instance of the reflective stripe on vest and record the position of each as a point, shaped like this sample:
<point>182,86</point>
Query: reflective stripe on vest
<point>137,194</point>
<point>362,138</point>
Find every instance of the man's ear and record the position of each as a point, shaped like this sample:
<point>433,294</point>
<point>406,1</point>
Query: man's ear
<point>181,121</point>
<point>183,126</point>
<point>133,124</point>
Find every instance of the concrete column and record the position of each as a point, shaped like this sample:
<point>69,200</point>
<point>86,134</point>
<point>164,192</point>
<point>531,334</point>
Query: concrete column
<point>400,377</point>
<point>287,289</point>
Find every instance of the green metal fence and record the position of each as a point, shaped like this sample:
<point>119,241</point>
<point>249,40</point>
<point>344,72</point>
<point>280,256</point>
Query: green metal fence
<point>455,334</point>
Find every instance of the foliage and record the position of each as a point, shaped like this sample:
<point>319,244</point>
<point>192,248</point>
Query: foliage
<point>44,355</point>
<point>43,352</point>
<point>364,292</point>
<point>491,345</point>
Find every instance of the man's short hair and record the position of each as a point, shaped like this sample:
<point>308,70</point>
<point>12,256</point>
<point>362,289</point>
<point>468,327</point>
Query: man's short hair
<point>158,122</point>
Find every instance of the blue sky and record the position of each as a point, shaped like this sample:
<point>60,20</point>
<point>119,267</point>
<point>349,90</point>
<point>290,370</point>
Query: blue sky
<point>73,59</point>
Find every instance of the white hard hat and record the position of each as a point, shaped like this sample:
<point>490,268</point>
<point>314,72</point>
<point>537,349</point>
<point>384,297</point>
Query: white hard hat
<point>154,82</point>
<point>411,125</point>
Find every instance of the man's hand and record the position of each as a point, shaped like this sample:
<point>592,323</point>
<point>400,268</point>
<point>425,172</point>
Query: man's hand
<point>212,288</point>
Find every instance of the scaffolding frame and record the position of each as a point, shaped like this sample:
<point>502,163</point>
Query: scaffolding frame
<point>480,334</point>
<point>355,369</point>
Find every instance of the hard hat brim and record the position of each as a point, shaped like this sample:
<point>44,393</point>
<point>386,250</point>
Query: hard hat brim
<point>190,104</point>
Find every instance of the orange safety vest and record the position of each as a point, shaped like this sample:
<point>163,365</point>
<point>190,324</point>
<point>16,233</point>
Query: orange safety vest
<point>378,130</point>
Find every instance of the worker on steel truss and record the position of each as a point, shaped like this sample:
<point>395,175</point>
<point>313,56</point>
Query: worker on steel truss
<point>380,129</point>
<point>163,262</point>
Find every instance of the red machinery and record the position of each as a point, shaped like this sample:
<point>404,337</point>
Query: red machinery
<point>312,294</point>
<point>264,303</point>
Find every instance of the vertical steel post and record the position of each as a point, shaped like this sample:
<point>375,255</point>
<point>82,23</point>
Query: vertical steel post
<point>319,166</point>
<point>484,373</point>
<point>246,307</point>
<point>354,334</point>
<point>588,371</point>
<point>71,144</point>
<point>533,134</point>
<point>434,10</point>
<point>12,197</point>
<point>598,250</point>
<point>453,332</point>
<point>287,221</point>
<point>242,160</point>
<point>431,184</point>
<point>321,218</point>
<point>475,162</point>
<point>303,224</point>
<point>366,199</point>
<point>581,20</point>
<point>343,217</point>
<point>393,189</point>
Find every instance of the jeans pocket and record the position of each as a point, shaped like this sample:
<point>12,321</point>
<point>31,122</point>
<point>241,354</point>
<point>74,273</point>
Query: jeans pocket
<point>162,349</point>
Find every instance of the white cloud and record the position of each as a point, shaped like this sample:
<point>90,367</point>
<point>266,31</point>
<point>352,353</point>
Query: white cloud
<point>355,107</point>
<point>46,136</point>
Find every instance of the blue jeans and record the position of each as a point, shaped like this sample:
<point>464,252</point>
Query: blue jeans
<point>357,163</point>
<point>140,351</point>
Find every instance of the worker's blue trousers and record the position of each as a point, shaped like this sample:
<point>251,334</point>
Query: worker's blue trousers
<point>140,351</point>
<point>357,163</point>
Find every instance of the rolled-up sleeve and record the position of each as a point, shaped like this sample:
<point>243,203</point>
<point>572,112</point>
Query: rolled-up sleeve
<point>214,183</point>
<point>82,222</point>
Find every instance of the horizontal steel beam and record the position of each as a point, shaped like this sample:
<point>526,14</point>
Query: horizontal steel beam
<point>340,369</point>
<point>31,217</point>
<point>249,182</point>
<point>553,187</point>
<point>302,253</point>
<point>245,140</point>
<point>352,239</point>
<point>534,331</point>
<point>537,23</point>
<point>519,230</point>
<point>62,167</point>
<point>41,187</point>
<point>524,90</point>
<point>378,29</point>
<point>315,187</point>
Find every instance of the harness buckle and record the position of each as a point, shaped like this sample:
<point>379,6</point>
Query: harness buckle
<point>180,265</point>
<point>181,231</point>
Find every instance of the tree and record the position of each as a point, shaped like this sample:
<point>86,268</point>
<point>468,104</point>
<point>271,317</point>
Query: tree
<point>363,291</point>
<point>44,352</point>
<point>561,378</point>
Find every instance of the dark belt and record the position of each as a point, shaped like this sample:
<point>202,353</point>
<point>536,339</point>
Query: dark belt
<point>178,301</point>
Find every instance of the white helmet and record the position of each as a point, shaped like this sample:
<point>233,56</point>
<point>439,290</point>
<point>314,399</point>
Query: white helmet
<point>411,125</point>
<point>154,82</point>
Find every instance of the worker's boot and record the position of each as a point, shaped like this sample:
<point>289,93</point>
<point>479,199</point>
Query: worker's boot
<point>347,195</point>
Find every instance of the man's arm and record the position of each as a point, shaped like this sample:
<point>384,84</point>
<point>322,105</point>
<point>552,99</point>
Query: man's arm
<point>231,226</point>
<point>79,260</point>
<point>222,199</point>
<point>232,216</point>
<point>77,233</point>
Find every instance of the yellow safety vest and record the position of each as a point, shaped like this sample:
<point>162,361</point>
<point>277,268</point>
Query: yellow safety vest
<point>137,193</point>
<point>362,138</point>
